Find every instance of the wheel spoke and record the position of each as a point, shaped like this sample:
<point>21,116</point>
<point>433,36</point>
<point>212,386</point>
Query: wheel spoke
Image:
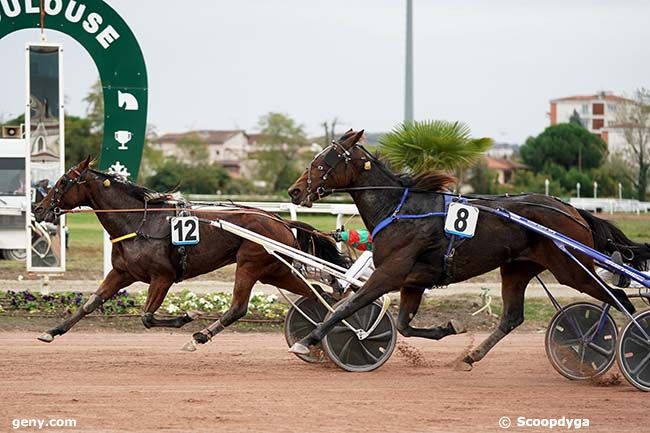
<point>574,324</point>
<point>368,354</point>
<point>639,339</point>
<point>380,336</point>
<point>640,367</point>
<point>345,351</point>
<point>606,353</point>
<point>569,342</point>
<point>339,329</point>
<point>372,316</point>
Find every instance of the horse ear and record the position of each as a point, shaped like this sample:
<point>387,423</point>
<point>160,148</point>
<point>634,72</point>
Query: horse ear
<point>353,138</point>
<point>85,163</point>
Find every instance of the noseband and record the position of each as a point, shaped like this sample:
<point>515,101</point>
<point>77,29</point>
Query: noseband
<point>333,157</point>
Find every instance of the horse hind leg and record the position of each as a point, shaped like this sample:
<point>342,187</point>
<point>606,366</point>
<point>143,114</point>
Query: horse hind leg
<point>245,278</point>
<point>410,299</point>
<point>514,280</point>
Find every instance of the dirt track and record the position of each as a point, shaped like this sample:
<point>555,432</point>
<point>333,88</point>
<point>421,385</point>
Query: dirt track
<point>137,382</point>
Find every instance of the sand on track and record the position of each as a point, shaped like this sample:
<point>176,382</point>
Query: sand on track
<point>141,382</point>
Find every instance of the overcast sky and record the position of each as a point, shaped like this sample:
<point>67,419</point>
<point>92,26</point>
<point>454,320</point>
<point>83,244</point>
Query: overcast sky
<point>493,64</point>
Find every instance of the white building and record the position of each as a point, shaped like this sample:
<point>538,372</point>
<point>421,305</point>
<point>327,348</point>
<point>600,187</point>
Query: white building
<point>227,148</point>
<point>597,112</point>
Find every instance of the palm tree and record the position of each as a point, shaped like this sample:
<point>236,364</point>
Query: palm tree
<point>419,147</point>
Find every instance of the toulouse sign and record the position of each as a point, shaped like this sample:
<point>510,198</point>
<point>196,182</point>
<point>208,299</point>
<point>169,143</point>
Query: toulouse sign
<point>117,54</point>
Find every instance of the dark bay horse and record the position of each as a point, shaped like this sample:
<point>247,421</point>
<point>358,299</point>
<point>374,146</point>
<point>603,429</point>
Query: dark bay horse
<point>149,256</point>
<point>412,255</point>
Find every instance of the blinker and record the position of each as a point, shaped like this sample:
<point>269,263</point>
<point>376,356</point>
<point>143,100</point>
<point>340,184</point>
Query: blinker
<point>332,158</point>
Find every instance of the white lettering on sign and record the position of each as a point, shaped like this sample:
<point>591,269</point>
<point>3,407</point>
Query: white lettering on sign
<point>11,8</point>
<point>92,22</point>
<point>74,13</point>
<point>32,8</point>
<point>107,36</point>
<point>70,14</point>
<point>53,7</point>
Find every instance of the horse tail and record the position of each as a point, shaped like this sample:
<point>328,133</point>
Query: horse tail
<point>609,238</point>
<point>319,244</point>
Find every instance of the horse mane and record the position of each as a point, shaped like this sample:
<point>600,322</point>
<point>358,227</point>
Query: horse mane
<point>434,181</point>
<point>134,190</point>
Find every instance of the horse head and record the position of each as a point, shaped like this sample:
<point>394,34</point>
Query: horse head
<point>336,166</point>
<point>61,196</point>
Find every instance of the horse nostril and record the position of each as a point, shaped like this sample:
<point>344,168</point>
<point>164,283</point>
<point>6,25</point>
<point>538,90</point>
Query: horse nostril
<point>38,209</point>
<point>294,192</point>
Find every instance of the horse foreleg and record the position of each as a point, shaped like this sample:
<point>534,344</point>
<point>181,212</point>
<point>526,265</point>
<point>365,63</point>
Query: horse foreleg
<point>155,296</point>
<point>245,278</point>
<point>410,299</point>
<point>114,281</point>
<point>514,280</point>
<point>383,280</point>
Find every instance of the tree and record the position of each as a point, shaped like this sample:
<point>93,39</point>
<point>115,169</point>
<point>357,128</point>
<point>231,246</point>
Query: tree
<point>330,131</point>
<point>575,119</point>
<point>80,141</point>
<point>95,109</point>
<point>567,145</point>
<point>278,155</point>
<point>634,119</point>
<point>432,145</point>
<point>191,179</point>
<point>152,158</point>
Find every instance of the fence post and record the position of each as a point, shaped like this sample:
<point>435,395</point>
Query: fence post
<point>108,249</point>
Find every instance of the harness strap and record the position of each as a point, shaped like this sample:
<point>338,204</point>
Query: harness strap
<point>123,238</point>
<point>394,217</point>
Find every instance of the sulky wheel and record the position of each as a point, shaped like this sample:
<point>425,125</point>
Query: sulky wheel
<point>348,352</point>
<point>633,352</point>
<point>575,346</point>
<point>296,326</point>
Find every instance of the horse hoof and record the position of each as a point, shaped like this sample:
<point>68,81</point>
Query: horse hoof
<point>46,338</point>
<point>457,326</point>
<point>463,366</point>
<point>189,347</point>
<point>193,315</point>
<point>299,349</point>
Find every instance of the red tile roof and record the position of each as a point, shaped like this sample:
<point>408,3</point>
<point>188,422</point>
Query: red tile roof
<point>605,96</point>
<point>503,164</point>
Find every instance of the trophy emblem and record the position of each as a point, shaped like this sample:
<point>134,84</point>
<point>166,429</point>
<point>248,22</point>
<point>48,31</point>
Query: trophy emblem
<point>123,137</point>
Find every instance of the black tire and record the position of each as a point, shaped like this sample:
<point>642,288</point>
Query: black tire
<point>633,352</point>
<point>571,346</point>
<point>19,255</point>
<point>296,327</point>
<point>351,354</point>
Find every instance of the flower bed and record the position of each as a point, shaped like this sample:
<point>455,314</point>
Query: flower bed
<point>260,307</point>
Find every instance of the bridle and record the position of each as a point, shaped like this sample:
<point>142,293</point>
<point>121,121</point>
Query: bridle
<point>334,154</point>
<point>61,188</point>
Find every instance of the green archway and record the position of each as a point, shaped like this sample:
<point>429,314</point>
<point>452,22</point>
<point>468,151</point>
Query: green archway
<point>117,54</point>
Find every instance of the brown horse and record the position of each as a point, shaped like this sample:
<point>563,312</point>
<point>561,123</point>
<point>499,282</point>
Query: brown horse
<point>413,254</point>
<point>149,256</point>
